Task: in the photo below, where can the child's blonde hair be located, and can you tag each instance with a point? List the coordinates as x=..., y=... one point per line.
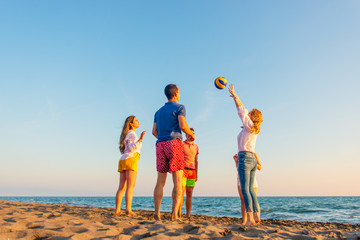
x=256, y=117
x=125, y=130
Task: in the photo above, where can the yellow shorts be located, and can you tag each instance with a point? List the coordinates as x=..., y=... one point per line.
x=129, y=163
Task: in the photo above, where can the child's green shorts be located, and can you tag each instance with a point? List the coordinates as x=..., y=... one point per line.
x=189, y=177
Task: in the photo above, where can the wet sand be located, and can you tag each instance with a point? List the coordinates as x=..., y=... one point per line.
x=54, y=221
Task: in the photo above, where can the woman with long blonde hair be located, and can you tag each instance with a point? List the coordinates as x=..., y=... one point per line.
x=247, y=157
x=129, y=146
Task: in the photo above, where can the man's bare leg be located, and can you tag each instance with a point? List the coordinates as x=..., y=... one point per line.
x=177, y=190
x=158, y=194
x=181, y=200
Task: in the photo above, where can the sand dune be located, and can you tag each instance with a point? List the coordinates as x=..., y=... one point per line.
x=53, y=221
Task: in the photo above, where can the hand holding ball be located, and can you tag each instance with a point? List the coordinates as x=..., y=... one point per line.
x=220, y=83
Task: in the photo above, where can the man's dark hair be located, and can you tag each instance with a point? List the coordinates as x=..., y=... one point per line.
x=192, y=129
x=170, y=91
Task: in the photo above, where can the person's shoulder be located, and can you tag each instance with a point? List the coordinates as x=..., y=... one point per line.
x=197, y=147
x=180, y=105
x=175, y=106
x=180, y=108
x=160, y=109
x=131, y=134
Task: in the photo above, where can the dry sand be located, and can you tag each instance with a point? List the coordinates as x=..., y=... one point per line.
x=53, y=221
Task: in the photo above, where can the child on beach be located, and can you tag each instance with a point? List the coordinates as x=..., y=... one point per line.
x=169, y=121
x=247, y=157
x=243, y=211
x=130, y=147
x=191, y=152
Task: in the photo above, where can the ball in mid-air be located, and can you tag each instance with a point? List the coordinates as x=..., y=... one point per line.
x=220, y=83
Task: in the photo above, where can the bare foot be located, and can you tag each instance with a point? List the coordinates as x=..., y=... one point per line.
x=174, y=216
x=249, y=223
x=249, y=219
x=157, y=217
x=118, y=213
x=244, y=220
x=257, y=217
x=130, y=213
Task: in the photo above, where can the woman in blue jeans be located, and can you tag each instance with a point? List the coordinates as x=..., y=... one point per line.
x=247, y=157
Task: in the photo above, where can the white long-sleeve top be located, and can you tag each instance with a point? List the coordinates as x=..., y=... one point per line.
x=246, y=140
x=132, y=145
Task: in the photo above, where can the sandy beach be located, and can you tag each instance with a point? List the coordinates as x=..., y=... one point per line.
x=53, y=221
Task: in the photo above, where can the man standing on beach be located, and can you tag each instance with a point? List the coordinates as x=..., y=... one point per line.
x=169, y=121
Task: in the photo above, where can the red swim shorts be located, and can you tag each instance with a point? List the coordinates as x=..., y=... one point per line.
x=170, y=156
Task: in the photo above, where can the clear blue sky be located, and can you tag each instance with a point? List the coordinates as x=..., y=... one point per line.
x=72, y=71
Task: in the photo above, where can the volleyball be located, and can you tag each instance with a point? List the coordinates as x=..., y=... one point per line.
x=220, y=83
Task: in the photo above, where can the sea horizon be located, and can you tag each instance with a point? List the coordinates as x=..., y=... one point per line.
x=170, y=196
x=340, y=209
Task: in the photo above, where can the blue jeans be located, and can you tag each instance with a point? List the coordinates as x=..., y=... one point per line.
x=246, y=169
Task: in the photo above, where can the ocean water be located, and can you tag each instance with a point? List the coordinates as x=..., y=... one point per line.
x=316, y=209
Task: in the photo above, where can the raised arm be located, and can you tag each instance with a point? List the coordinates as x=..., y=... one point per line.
x=185, y=127
x=237, y=101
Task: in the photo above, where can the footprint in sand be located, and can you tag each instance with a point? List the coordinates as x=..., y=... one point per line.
x=9, y=220
x=78, y=229
x=108, y=222
x=33, y=226
x=103, y=229
x=55, y=228
x=129, y=231
x=191, y=229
